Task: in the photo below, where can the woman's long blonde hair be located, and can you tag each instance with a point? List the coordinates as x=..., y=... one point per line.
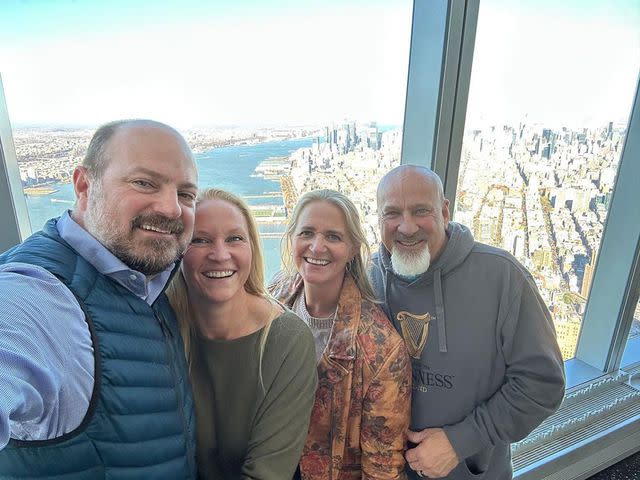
x=356, y=267
x=177, y=289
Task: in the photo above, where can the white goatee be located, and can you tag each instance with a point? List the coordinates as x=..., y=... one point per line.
x=410, y=264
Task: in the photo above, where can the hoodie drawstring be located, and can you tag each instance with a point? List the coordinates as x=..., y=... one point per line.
x=385, y=289
x=437, y=291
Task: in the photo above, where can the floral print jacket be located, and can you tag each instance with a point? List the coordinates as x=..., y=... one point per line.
x=363, y=402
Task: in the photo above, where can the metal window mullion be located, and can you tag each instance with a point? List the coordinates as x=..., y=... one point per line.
x=442, y=44
x=14, y=216
x=428, y=36
x=608, y=312
x=460, y=47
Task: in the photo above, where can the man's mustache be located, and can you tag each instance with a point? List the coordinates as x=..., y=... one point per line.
x=172, y=225
x=399, y=237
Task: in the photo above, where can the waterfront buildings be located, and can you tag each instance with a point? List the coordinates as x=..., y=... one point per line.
x=540, y=193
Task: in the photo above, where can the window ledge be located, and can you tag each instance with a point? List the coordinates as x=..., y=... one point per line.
x=597, y=425
x=578, y=372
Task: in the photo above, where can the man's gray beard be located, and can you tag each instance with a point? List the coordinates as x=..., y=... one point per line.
x=100, y=222
x=410, y=264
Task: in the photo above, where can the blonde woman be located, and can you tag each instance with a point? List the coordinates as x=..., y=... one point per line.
x=362, y=404
x=252, y=364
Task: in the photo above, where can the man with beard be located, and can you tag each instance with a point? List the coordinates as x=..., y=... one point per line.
x=486, y=365
x=93, y=382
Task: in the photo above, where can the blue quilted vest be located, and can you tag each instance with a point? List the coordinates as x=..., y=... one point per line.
x=140, y=423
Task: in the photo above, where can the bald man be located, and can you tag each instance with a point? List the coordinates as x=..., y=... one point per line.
x=486, y=364
x=93, y=381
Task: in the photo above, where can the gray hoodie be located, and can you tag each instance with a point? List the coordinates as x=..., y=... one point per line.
x=491, y=370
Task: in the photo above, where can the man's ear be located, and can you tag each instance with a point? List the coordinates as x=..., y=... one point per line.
x=445, y=212
x=81, y=184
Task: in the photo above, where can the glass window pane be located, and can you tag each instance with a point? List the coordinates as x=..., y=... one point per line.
x=275, y=99
x=631, y=356
x=545, y=126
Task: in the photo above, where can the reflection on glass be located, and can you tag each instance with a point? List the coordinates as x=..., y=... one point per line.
x=541, y=149
x=631, y=356
x=274, y=101
x=635, y=325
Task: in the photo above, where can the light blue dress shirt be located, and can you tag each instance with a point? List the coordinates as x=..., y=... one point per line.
x=46, y=354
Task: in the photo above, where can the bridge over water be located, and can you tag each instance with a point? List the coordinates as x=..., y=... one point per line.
x=271, y=234
x=264, y=195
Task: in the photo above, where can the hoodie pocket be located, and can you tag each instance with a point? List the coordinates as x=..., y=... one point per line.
x=476, y=465
x=466, y=472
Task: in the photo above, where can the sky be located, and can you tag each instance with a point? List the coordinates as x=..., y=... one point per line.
x=206, y=62
x=562, y=62
x=254, y=63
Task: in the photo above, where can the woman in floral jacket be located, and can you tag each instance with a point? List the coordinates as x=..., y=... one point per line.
x=362, y=405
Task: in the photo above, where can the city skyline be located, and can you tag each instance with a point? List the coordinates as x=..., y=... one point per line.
x=539, y=193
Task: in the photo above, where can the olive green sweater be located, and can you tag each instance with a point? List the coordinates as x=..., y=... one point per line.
x=248, y=429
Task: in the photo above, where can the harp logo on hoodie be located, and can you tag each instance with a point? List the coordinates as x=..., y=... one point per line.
x=415, y=331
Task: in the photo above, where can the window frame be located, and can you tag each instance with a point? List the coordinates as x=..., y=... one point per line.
x=443, y=37
x=14, y=215
x=433, y=133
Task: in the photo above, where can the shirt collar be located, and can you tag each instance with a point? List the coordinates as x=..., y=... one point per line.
x=105, y=262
